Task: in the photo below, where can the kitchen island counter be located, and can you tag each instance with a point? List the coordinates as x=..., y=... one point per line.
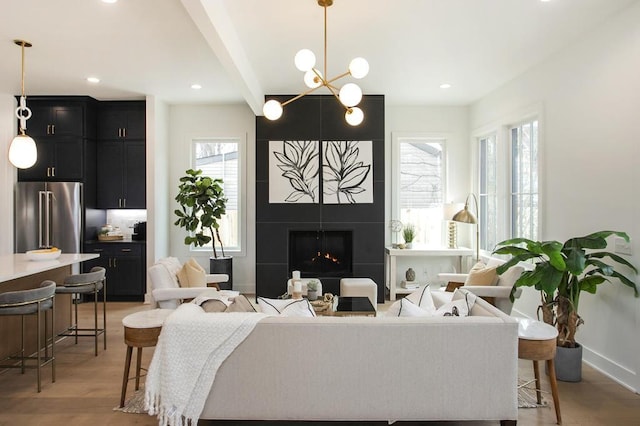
x=13, y=266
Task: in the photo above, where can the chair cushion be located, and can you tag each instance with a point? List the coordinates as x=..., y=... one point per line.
x=482, y=274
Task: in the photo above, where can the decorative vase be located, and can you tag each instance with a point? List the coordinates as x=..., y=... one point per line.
x=407, y=245
x=568, y=363
x=222, y=265
x=312, y=295
x=410, y=275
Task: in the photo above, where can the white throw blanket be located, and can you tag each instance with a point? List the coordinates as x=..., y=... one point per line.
x=191, y=347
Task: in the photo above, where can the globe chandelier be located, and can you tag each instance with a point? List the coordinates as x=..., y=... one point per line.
x=22, y=151
x=349, y=95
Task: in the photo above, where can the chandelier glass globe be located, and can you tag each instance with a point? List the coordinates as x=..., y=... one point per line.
x=350, y=95
x=354, y=116
x=312, y=80
x=359, y=68
x=272, y=109
x=305, y=60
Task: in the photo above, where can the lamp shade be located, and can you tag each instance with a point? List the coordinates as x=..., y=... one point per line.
x=354, y=116
x=272, y=109
x=23, y=152
x=464, y=216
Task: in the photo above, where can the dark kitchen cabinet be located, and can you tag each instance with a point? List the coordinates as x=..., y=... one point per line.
x=122, y=120
x=125, y=265
x=121, y=174
x=121, y=155
x=64, y=129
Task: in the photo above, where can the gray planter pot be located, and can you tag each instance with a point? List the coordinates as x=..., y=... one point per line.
x=312, y=295
x=222, y=265
x=568, y=362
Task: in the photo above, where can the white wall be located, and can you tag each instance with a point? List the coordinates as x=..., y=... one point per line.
x=450, y=123
x=590, y=94
x=187, y=122
x=7, y=172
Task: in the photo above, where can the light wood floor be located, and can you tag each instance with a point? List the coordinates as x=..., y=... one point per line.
x=88, y=388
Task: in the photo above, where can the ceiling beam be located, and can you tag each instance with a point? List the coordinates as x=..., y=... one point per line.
x=213, y=21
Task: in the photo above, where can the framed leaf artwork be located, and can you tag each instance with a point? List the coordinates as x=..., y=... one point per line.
x=294, y=172
x=347, y=172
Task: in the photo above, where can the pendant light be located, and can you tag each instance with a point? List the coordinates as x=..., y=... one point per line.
x=22, y=151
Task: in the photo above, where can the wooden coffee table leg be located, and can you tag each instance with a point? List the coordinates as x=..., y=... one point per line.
x=125, y=377
x=138, y=365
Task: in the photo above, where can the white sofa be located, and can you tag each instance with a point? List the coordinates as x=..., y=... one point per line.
x=372, y=369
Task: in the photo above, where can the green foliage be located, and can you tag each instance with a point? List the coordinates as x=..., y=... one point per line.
x=312, y=285
x=409, y=232
x=562, y=271
x=202, y=204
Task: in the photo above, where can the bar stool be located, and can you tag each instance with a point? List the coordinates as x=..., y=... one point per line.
x=141, y=330
x=88, y=283
x=30, y=302
x=537, y=342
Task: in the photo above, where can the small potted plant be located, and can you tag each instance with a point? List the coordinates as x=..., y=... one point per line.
x=408, y=233
x=312, y=290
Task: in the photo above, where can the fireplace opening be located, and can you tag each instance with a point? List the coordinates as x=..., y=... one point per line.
x=321, y=253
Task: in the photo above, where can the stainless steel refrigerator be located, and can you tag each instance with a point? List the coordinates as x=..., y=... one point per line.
x=48, y=214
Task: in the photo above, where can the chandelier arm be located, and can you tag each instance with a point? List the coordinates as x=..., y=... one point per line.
x=295, y=98
x=338, y=77
x=335, y=94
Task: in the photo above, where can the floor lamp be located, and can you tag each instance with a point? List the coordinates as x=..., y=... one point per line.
x=465, y=216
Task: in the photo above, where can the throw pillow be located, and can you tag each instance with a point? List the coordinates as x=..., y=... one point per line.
x=214, y=305
x=192, y=274
x=410, y=309
x=421, y=298
x=286, y=307
x=482, y=275
x=240, y=304
x=461, y=303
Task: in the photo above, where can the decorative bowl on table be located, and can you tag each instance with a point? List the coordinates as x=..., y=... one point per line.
x=44, y=254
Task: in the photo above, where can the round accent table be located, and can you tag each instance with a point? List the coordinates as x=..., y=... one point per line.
x=141, y=330
x=537, y=342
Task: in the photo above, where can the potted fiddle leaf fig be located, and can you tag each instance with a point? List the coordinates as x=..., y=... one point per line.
x=202, y=205
x=561, y=272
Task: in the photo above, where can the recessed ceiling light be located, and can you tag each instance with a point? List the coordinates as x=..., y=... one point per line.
x=109, y=1
x=445, y=86
x=196, y=86
x=93, y=79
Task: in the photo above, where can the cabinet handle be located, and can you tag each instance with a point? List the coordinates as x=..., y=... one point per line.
x=53, y=172
x=114, y=262
x=124, y=132
x=126, y=250
x=124, y=202
x=53, y=129
x=48, y=171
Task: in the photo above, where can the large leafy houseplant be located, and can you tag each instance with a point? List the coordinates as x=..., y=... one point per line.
x=561, y=272
x=202, y=204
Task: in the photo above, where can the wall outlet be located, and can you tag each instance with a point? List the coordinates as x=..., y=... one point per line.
x=623, y=247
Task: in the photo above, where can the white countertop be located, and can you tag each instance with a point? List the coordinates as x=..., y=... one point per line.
x=14, y=266
x=425, y=250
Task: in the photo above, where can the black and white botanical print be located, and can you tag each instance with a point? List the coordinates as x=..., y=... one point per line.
x=347, y=172
x=293, y=171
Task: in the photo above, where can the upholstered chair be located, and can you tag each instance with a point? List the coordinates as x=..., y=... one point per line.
x=497, y=294
x=168, y=292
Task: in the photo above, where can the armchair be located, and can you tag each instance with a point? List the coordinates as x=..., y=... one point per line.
x=166, y=292
x=497, y=294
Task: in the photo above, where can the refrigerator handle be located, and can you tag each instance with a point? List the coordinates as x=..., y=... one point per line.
x=47, y=223
x=41, y=197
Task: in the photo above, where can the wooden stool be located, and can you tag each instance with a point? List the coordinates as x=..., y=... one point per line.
x=141, y=330
x=537, y=342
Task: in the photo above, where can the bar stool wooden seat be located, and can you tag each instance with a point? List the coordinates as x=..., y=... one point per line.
x=88, y=283
x=33, y=302
x=537, y=342
x=141, y=330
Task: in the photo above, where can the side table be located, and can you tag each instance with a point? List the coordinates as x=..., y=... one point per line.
x=141, y=330
x=537, y=342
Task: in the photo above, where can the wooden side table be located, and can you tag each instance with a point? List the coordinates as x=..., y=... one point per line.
x=141, y=330
x=537, y=342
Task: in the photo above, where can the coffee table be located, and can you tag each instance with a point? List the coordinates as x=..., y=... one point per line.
x=354, y=306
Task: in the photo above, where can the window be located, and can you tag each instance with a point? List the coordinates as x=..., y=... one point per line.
x=524, y=180
x=508, y=184
x=488, y=192
x=418, y=186
x=224, y=159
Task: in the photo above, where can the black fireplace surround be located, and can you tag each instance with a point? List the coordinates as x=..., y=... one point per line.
x=361, y=254
x=321, y=253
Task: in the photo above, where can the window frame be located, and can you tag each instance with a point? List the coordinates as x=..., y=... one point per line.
x=241, y=141
x=404, y=137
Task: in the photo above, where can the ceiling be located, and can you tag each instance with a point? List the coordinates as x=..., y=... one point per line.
x=240, y=50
